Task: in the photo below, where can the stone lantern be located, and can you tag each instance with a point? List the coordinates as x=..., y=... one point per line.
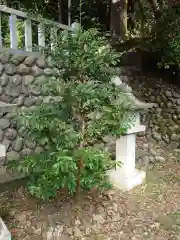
x=127, y=176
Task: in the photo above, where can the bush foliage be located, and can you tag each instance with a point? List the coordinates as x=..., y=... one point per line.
x=83, y=108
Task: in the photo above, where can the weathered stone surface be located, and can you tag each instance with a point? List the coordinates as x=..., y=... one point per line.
x=29, y=101
x=16, y=60
x=57, y=73
x=178, y=101
x=35, y=91
x=24, y=90
x=36, y=71
x=12, y=156
x=175, y=94
x=16, y=79
x=1, y=68
x=11, y=133
x=26, y=152
x=18, y=144
x=49, y=71
x=4, y=57
x=6, y=143
x=29, y=61
x=1, y=114
x=38, y=101
x=2, y=161
x=23, y=69
x=169, y=104
x=168, y=93
x=4, y=123
x=50, y=61
x=22, y=131
x=177, y=110
x=17, y=73
x=1, y=90
x=10, y=115
x=10, y=69
x=30, y=144
x=6, y=99
x=28, y=79
x=1, y=135
x=13, y=91
x=41, y=62
x=4, y=80
x=19, y=101
x=175, y=137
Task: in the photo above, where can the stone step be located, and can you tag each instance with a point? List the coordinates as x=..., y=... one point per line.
x=9, y=181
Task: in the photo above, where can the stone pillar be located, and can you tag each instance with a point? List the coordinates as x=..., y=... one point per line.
x=127, y=176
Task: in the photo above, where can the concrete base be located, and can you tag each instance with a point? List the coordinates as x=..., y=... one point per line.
x=4, y=232
x=126, y=182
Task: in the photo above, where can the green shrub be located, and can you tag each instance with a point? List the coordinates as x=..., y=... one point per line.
x=82, y=110
x=165, y=42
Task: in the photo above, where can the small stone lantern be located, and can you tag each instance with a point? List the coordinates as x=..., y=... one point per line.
x=127, y=176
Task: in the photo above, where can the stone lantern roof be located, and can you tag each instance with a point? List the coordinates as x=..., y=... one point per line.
x=133, y=102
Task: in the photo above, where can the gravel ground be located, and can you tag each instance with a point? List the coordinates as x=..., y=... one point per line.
x=150, y=211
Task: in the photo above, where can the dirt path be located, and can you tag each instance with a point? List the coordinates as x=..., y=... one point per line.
x=151, y=211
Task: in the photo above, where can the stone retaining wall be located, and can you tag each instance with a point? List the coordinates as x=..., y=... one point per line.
x=17, y=73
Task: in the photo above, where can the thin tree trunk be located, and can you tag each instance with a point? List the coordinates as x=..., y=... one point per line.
x=156, y=9
x=131, y=6
x=80, y=164
x=123, y=19
x=142, y=21
x=169, y=3
x=60, y=11
x=118, y=19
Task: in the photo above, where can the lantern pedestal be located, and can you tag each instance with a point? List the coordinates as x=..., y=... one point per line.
x=127, y=176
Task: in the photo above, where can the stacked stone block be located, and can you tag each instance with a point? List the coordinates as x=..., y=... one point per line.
x=17, y=75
